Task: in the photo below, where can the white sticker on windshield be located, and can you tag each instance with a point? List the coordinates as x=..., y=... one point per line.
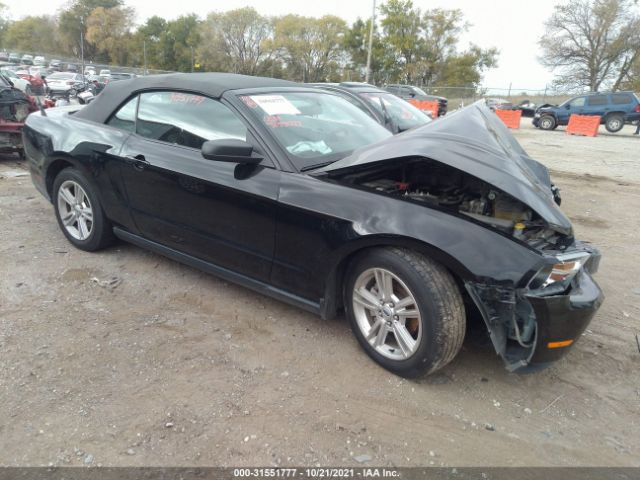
x=275, y=105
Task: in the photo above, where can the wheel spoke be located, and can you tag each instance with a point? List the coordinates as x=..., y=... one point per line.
x=384, y=283
x=405, y=302
x=68, y=218
x=381, y=335
x=365, y=298
x=87, y=213
x=403, y=315
x=405, y=341
x=375, y=329
x=83, y=228
x=67, y=196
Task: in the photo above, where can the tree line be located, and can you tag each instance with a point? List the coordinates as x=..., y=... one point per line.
x=410, y=45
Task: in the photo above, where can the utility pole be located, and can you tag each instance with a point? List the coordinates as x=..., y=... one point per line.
x=144, y=56
x=373, y=19
x=192, y=60
x=84, y=80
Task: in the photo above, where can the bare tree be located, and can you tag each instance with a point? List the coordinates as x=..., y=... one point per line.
x=239, y=36
x=592, y=43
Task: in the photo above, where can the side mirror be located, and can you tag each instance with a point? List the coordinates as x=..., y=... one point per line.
x=567, y=106
x=230, y=150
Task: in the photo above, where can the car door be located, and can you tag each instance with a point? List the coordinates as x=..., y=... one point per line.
x=596, y=105
x=575, y=106
x=220, y=212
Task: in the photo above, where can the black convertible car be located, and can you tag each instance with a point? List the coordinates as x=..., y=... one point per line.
x=298, y=194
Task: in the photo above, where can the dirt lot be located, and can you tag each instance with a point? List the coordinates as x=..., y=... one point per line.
x=127, y=358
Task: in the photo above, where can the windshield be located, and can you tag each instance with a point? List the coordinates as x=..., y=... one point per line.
x=315, y=128
x=419, y=91
x=401, y=113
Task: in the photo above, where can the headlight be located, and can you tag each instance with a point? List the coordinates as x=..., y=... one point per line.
x=561, y=273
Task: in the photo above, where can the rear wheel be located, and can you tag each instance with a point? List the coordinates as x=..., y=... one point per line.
x=405, y=310
x=79, y=212
x=547, y=122
x=614, y=123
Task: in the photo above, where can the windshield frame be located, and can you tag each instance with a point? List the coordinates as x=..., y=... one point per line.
x=281, y=154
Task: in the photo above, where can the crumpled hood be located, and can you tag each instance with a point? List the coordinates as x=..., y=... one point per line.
x=475, y=141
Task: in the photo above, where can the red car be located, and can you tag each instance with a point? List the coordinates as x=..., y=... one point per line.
x=15, y=106
x=38, y=84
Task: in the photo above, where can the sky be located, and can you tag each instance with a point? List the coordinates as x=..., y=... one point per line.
x=513, y=26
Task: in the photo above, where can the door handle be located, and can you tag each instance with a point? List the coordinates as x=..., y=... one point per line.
x=138, y=161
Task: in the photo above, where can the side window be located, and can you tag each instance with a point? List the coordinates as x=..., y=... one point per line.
x=577, y=102
x=186, y=119
x=125, y=117
x=597, y=100
x=405, y=92
x=621, y=98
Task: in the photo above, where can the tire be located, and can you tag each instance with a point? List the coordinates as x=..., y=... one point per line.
x=425, y=303
x=614, y=123
x=73, y=92
x=547, y=122
x=86, y=232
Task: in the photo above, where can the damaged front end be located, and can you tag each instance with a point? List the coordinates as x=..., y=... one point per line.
x=469, y=166
x=535, y=325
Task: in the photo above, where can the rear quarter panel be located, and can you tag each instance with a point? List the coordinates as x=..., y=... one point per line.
x=57, y=140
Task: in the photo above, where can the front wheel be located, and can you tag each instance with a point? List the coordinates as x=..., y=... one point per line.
x=405, y=310
x=547, y=122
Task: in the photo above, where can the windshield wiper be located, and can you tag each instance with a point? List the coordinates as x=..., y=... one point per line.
x=317, y=165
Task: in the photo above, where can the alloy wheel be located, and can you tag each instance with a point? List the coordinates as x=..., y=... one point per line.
x=387, y=314
x=75, y=210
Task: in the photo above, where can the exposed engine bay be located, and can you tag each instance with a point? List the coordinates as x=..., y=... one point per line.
x=444, y=187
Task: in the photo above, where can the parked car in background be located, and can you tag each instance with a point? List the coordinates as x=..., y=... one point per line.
x=66, y=82
x=498, y=103
x=409, y=92
x=121, y=76
x=614, y=109
x=395, y=114
x=15, y=106
x=105, y=73
x=18, y=82
x=37, y=82
x=55, y=65
x=72, y=67
x=39, y=60
x=317, y=204
x=27, y=60
x=14, y=58
x=528, y=108
x=4, y=56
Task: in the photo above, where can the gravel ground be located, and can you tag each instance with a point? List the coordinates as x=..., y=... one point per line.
x=126, y=358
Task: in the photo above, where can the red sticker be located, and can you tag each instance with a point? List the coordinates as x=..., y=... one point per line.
x=177, y=97
x=274, y=121
x=248, y=101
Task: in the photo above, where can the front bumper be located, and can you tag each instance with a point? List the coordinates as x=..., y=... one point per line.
x=530, y=329
x=563, y=318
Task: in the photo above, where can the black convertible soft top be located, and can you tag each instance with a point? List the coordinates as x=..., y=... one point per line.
x=209, y=84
